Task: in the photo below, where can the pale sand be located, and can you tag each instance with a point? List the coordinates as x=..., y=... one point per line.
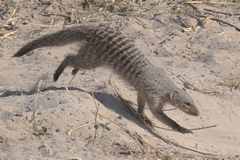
x=208, y=58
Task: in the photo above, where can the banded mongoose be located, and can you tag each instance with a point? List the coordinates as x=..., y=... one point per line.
x=104, y=47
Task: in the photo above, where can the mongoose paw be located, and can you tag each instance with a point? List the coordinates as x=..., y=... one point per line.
x=183, y=130
x=145, y=120
x=74, y=71
x=55, y=76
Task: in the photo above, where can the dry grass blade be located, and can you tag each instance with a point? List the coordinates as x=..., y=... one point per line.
x=152, y=7
x=102, y=116
x=7, y=35
x=24, y=114
x=210, y=10
x=192, y=87
x=38, y=91
x=219, y=20
x=72, y=79
x=137, y=137
x=14, y=11
x=187, y=84
x=208, y=2
x=69, y=132
x=96, y=125
x=140, y=139
x=204, y=127
x=193, y=150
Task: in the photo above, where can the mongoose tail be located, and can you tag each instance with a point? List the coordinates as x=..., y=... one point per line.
x=75, y=34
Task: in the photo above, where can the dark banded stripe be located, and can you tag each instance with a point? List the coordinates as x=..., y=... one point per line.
x=120, y=52
x=110, y=51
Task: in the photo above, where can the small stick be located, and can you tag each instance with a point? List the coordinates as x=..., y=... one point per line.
x=96, y=125
x=72, y=79
x=192, y=87
x=94, y=112
x=193, y=150
x=192, y=16
x=201, y=2
x=14, y=11
x=219, y=20
x=69, y=132
x=24, y=114
x=210, y=10
x=187, y=83
x=216, y=35
x=207, y=18
x=148, y=9
x=61, y=15
x=70, y=82
x=38, y=91
x=142, y=140
x=139, y=138
x=204, y=127
x=7, y=34
x=67, y=89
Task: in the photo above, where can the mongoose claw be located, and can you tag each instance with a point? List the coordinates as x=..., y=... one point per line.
x=183, y=130
x=145, y=120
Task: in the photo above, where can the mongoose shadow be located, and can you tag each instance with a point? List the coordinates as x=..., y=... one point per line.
x=104, y=47
x=108, y=100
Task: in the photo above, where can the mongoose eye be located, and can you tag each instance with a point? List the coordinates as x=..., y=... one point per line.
x=187, y=103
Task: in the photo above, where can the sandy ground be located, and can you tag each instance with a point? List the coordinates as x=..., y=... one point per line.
x=202, y=51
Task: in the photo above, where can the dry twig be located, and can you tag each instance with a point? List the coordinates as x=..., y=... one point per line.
x=192, y=87
x=204, y=127
x=208, y=2
x=219, y=20
x=210, y=10
x=69, y=132
x=14, y=11
x=137, y=137
x=7, y=35
x=96, y=125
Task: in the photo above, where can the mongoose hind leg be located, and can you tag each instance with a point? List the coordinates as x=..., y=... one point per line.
x=141, y=102
x=168, y=121
x=83, y=60
x=65, y=63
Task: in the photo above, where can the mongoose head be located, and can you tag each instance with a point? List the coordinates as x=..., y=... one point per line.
x=181, y=100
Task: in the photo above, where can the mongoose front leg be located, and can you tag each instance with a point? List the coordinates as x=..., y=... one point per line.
x=168, y=121
x=141, y=102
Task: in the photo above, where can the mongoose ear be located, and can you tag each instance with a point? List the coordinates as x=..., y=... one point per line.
x=174, y=96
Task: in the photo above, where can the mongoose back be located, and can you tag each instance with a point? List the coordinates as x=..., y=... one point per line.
x=103, y=47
